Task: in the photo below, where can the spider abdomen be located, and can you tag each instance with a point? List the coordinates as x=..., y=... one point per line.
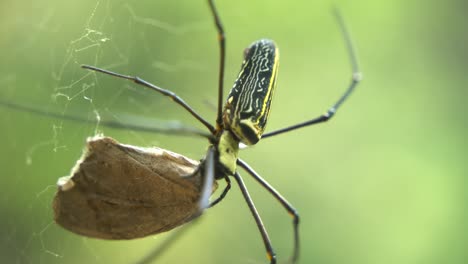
x=248, y=104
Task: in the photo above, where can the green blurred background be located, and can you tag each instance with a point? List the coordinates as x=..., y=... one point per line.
x=384, y=182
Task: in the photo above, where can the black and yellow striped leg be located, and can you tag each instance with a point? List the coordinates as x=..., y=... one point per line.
x=222, y=58
x=223, y=194
x=208, y=180
x=165, y=92
x=266, y=239
x=291, y=210
x=323, y=118
x=355, y=79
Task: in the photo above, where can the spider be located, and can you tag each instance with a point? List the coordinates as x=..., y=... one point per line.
x=241, y=119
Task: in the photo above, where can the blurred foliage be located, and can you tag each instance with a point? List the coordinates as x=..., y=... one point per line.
x=384, y=182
